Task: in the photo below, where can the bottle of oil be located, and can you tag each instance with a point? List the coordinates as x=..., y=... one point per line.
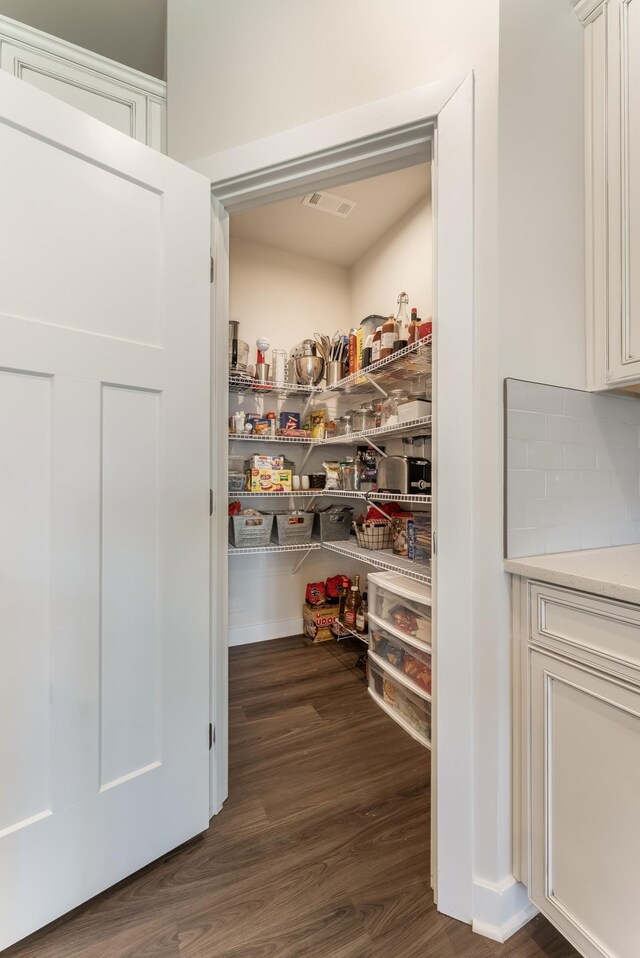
x=362, y=623
x=352, y=604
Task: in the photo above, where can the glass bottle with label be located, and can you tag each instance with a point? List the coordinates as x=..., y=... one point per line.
x=402, y=323
x=414, y=326
x=362, y=617
x=353, y=603
x=388, y=338
x=375, y=345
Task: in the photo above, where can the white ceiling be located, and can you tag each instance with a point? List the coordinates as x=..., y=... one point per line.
x=381, y=202
x=132, y=32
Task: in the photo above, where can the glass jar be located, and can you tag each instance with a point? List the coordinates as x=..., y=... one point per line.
x=350, y=475
x=363, y=418
x=344, y=426
x=279, y=365
x=390, y=406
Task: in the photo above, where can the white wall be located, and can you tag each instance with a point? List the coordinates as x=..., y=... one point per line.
x=271, y=289
x=400, y=260
x=262, y=68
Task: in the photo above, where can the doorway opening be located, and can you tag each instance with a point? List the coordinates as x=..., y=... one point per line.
x=434, y=123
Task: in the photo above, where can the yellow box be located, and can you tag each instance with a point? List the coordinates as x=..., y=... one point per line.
x=268, y=480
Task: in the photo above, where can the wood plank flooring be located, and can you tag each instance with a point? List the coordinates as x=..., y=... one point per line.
x=322, y=850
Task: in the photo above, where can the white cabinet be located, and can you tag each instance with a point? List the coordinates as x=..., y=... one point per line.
x=577, y=764
x=612, y=126
x=125, y=99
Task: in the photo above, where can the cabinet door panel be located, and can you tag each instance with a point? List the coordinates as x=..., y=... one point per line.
x=585, y=779
x=623, y=214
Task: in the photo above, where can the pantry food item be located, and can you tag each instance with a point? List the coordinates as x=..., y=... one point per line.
x=334, y=474
x=268, y=480
x=260, y=425
x=375, y=344
x=362, y=617
x=404, y=619
x=402, y=323
x=414, y=326
x=316, y=593
x=419, y=672
x=352, y=604
x=318, y=620
x=400, y=530
x=389, y=334
x=266, y=462
x=289, y=421
x=317, y=420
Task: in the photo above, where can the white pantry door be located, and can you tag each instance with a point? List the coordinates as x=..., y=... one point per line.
x=104, y=528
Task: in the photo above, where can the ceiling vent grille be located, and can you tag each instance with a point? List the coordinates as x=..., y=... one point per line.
x=329, y=203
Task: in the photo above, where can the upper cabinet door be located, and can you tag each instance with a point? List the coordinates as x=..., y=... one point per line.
x=119, y=96
x=612, y=90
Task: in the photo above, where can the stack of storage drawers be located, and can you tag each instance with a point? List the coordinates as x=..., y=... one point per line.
x=400, y=651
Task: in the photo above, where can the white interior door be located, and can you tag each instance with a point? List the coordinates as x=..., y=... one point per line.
x=104, y=438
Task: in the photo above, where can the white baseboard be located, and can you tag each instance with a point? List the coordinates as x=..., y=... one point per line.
x=265, y=631
x=500, y=909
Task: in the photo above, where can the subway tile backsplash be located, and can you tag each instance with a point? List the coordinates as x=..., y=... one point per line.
x=573, y=469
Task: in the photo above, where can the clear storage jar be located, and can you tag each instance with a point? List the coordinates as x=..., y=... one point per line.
x=390, y=406
x=344, y=425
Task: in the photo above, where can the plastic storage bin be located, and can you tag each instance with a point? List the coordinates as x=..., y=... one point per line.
x=333, y=525
x=408, y=709
x=292, y=528
x=410, y=664
x=250, y=531
x=402, y=606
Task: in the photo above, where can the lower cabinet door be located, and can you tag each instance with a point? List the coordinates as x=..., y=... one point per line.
x=585, y=805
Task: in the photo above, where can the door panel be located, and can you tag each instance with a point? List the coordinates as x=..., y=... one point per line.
x=104, y=527
x=585, y=777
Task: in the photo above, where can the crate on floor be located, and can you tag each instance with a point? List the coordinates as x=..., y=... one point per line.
x=318, y=620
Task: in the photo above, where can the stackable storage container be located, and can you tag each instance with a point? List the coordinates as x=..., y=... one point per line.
x=409, y=664
x=404, y=706
x=292, y=528
x=250, y=531
x=401, y=605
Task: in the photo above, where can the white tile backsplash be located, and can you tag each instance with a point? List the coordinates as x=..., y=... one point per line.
x=573, y=469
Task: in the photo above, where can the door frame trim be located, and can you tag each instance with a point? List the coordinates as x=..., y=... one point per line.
x=356, y=144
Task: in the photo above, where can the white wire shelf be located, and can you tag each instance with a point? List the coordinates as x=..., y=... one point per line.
x=382, y=559
x=407, y=364
x=402, y=722
x=335, y=494
x=346, y=632
x=261, y=437
x=259, y=550
x=408, y=427
x=248, y=385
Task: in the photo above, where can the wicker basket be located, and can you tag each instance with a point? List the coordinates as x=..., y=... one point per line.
x=373, y=535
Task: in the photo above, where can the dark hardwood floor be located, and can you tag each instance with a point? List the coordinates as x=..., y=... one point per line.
x=321, y=851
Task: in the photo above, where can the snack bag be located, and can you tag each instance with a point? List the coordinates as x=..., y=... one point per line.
x=315, y=594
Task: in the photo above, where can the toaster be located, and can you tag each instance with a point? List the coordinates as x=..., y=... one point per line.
x=405, y=475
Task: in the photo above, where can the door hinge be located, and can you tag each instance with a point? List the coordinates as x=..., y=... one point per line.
x=212, y=736
x=210, y=502
x=212, y=270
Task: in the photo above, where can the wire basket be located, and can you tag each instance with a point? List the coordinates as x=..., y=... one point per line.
x=373, y=535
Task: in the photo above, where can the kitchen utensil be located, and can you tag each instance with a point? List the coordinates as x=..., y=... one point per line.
x=335, y=372
x=309, y=369
x=262, y=372
x=262, y=346
x=279, y=363
x=238, y=350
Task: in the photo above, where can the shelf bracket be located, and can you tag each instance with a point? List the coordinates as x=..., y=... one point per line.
x=305, y=458
x=373, y=446
x=377, y=507
x=373, y=383
x=298, y=564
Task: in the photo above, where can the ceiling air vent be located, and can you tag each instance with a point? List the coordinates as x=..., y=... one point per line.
x=329, y=203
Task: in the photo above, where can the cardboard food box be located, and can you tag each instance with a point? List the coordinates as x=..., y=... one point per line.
x=318, y=620
x=268, y=480
x=266, y=462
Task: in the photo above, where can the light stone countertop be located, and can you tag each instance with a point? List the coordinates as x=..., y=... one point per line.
x=612, y=572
